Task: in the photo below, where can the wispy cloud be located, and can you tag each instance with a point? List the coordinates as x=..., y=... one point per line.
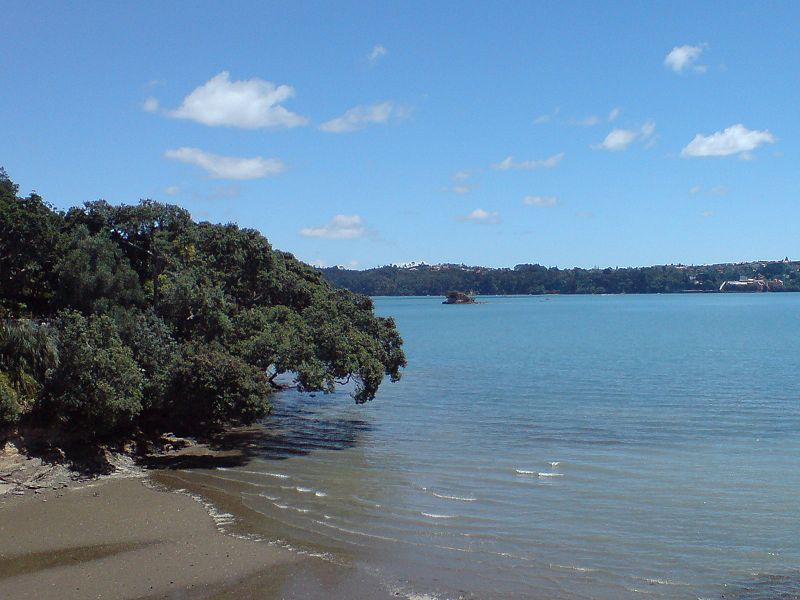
x=707, y=213
x=736, y=139
x=543, y=201
x=248, y=104
x=461, y=183
x=528, y=165
x=615, y=112
x=717, y=190
x=480, y=215
x=620, y=139
x=228, y=167
x=172, y=190
x=546, y=118
x=589, y=121
x=359, y=117
x=377, y=52
x=681, y=58
x=150, y=104
x=340, y=227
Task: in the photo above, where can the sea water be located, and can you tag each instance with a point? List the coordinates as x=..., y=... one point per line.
x=605, y=447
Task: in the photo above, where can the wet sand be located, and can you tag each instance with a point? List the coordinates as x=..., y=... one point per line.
x=120, y=538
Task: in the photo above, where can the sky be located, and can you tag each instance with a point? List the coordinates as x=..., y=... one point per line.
x=363, y=134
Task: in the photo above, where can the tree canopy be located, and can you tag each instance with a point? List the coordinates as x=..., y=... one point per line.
x=142, y=317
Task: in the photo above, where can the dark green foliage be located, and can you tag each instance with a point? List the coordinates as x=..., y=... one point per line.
x=169, y=322
x=536, y=279
x=98, y=386
x=93, y=275
x=28, y=353
x=154, y=349
x=29, y=238
x=210, y=386
x=10, y=409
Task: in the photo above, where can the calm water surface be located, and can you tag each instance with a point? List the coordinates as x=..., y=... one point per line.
x=605, y=447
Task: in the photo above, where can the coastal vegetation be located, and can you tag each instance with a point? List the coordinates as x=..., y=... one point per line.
x=122, y=318
x=437, y=280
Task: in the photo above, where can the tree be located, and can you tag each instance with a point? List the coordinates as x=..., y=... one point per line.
x=97, y=388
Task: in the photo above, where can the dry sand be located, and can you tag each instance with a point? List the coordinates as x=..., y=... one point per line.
x=119, y=538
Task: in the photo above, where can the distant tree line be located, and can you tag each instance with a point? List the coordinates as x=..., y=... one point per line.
x=535, y=279
x=117, y=318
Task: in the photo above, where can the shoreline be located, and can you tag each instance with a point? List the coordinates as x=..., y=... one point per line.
x=135, y=537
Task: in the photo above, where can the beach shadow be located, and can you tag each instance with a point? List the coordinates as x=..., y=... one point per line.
x=297, y=426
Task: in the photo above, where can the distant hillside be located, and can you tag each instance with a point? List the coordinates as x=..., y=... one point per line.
x=437, y=280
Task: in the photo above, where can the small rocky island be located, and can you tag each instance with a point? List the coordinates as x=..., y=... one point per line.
x=459, y=298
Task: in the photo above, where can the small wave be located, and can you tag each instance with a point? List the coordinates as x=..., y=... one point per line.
x=302, y=510
x=303, y=490
x=320, y=494
x=265, y=473
x=281, y=506
x=272, y=498
x=447, y=497
x=525, y=472
x=555, y=463
x=543, y=475
x=436, y=516
x=573, y=568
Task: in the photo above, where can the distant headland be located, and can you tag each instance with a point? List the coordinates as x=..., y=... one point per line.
x=420, y=279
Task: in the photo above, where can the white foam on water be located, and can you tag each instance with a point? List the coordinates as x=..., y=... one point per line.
x=320, y=494
x=265, y=473
x=303, y=490
x=448, y=497
x=573, y=568
x=544, y=475
x=554, y=463
x=437, y=516
x=281, y=506
x=525, y=472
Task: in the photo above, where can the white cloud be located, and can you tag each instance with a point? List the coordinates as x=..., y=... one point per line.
x=172, y=190
x=481, y=216
x=461, y=175
x=150, y=104
x=707, y=213
x=736, y=139
x=545, y=201
x=249, y=104
x=228, y=167
x=359, y=117
x=528, y=165
x=620, y=139
x=696, y=189
x=682, y=57
x=377, y=52
x=340, y=227
x=612, y=116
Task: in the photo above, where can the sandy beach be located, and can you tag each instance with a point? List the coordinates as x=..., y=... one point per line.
x=121, y=538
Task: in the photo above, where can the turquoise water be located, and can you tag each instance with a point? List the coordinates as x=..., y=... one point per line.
x=603, y=447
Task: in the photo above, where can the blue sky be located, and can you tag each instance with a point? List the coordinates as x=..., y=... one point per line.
x=563, y=133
